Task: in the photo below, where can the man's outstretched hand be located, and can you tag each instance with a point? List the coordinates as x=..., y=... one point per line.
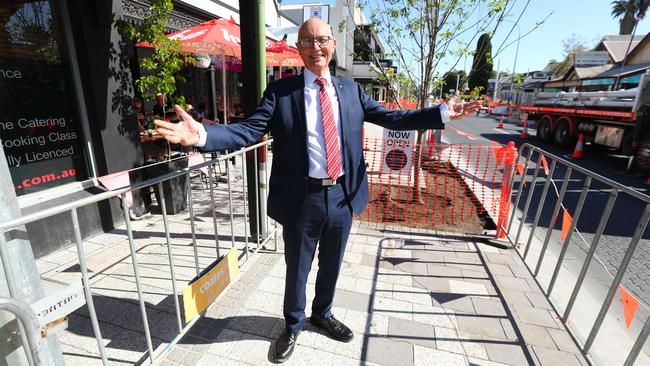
x=468, y=108
x=185, y=132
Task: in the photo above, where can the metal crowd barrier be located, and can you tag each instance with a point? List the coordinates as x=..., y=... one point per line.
x=583, y=333
x=26, y=316
x=30, y=327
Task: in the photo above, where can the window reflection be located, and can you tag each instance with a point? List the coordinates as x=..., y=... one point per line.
x=38, y=120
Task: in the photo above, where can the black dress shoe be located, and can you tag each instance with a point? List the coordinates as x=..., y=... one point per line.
x=335, y=328
x=284, y=346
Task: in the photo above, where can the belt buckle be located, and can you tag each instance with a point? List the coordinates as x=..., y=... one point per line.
x=328, y=182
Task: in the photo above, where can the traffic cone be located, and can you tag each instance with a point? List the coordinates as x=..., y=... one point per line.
x=524, y=133
x=577, y=153
x=500, y=122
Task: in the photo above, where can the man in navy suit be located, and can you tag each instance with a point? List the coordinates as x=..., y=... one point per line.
x=318, y=177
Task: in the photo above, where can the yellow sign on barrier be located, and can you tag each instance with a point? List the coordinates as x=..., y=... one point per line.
x=207, y=288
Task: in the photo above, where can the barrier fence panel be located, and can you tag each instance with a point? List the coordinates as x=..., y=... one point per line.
x=457, y=188
x=584, y=256
x=147, y=286
x=30, y=326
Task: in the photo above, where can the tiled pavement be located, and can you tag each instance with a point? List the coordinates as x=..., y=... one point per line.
x=412, y=298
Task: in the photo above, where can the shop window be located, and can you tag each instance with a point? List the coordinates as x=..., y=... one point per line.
x=39, y=124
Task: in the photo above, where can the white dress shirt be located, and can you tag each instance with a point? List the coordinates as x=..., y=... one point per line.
x=315, y=136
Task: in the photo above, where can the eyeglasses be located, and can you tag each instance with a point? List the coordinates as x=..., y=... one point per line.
x=320, y=41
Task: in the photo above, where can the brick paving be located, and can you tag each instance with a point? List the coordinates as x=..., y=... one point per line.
x=412, y=297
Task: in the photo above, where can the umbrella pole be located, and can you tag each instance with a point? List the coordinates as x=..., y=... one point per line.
x=229, y=162
x=223, y=85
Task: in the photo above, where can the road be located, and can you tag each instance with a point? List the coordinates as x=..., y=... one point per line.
x=626, y=212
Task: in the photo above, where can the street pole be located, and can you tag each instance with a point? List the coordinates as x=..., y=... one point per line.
x=213, y=91
x=496, y=83
x=514, y=67
x=254, y=81
x=457, y=80
x=19, y=279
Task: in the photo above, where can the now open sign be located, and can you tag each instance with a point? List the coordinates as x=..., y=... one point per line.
x=397, y=154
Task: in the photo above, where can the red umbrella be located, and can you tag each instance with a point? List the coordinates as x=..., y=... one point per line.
x=222, y=37
x=219, y=36
x=215, y=37
x=281, y=54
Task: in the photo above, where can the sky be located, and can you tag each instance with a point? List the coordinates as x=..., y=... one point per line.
x=588, y=20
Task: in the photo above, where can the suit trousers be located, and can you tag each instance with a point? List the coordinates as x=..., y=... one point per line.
x=325, y=219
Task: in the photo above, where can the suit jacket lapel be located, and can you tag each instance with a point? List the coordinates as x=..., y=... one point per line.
x=299, y=118
x=344, y=107
x=298, y=97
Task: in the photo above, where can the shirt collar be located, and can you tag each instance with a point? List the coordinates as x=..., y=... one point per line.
x=310, y=77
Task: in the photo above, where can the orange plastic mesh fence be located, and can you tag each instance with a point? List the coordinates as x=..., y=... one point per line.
x=456, y=188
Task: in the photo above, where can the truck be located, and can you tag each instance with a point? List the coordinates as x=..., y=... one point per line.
x=617, y=119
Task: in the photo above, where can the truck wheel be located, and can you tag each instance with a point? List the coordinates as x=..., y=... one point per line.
x=562, y=135
x=626, y=144
x=642, y=157
x=544, y=129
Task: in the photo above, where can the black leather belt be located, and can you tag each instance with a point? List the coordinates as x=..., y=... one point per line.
x=325, y=182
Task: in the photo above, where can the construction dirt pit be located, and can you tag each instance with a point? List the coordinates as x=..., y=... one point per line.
x=445, y=203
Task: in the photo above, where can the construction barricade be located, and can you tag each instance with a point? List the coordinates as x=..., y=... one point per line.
x=140, y=288
x=458, y=188
x=583, y=238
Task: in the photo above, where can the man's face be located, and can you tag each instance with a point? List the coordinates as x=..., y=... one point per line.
x=316, y=56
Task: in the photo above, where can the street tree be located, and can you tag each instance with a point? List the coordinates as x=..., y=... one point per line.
x=570, y=48
x=482, y=66
x=420, y=34
x=629, y=12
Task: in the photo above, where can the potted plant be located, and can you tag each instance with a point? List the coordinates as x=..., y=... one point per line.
x=161, y=73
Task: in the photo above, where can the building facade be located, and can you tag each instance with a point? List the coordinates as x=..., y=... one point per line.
x=66, y=102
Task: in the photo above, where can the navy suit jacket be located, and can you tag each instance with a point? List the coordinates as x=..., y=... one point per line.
x=282, y=112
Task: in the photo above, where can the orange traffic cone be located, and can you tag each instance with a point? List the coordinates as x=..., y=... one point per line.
x=578, y=153
x=500, y=122
x=524, y=133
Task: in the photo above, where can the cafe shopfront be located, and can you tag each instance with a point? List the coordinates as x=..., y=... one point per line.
x=66, y=115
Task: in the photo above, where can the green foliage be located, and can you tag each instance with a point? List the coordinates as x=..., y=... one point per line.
x=162, y=67
x=482, y=64
x=519, y=78
x=341, y=26
x=478, y=90
x=570, y=48
x=627, y=10
x=450, y=78
x=418, y=34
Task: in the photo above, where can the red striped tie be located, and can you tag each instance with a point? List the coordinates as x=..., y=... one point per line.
x=332, y=148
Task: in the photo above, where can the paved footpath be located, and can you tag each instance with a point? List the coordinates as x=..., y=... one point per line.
x=412, y=297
